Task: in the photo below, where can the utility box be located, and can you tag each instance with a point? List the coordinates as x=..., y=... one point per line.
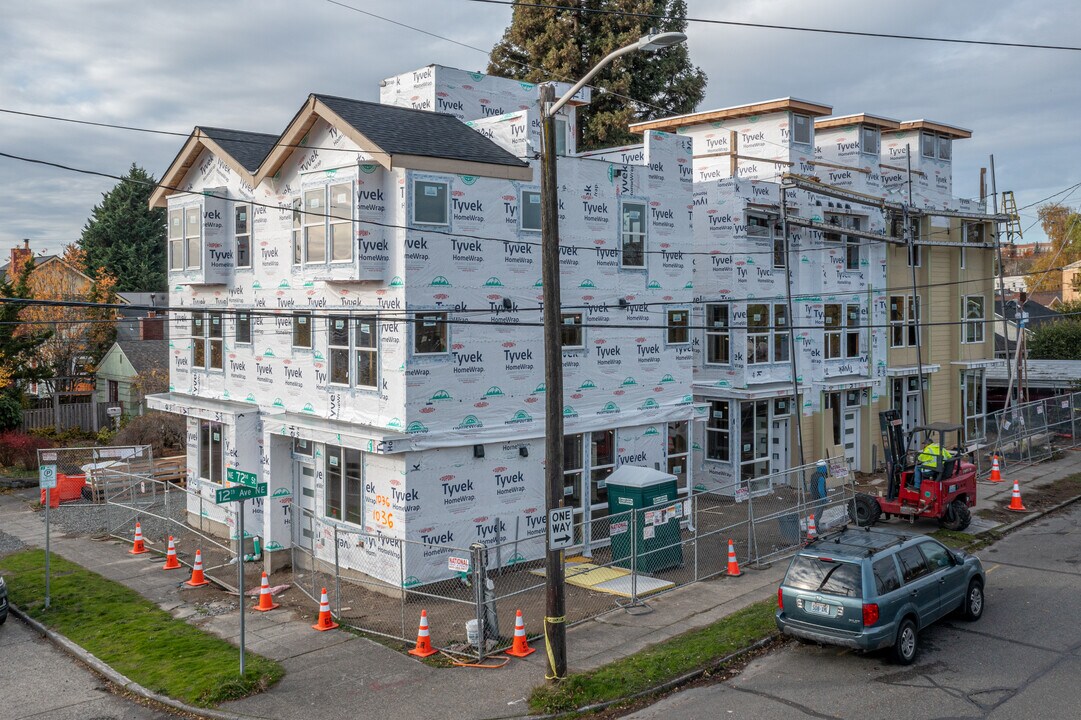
x=651, y=494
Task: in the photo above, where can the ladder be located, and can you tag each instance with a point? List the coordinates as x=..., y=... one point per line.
x=1009, y=208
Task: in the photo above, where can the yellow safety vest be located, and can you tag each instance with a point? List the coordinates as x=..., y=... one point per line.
x=930, y=455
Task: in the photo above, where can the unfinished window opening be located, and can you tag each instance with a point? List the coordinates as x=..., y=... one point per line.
x=718, y=334
x=633, y=236
x=430, y=203
x=302, y=330
x=430, y=333
x=344, y=482
x=242, y=233
x=571, y=331
x=679, y=332
x=719, y=432
x=242, y=334
x=531, y=210
x=211, y=451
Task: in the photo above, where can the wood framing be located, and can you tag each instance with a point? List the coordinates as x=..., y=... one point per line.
x=739, y=111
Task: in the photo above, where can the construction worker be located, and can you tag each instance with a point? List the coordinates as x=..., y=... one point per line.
x=929, y=461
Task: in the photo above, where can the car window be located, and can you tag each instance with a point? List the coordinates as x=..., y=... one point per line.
x=937, y=557
x=886, y=579
x=825, y=576
x=912, y=563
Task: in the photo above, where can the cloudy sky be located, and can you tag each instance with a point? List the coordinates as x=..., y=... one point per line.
x=249, y=64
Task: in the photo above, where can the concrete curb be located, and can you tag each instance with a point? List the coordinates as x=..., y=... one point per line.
x=1034, y=516
x=117, y=678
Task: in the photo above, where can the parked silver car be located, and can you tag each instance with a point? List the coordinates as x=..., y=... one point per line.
x=869, y=589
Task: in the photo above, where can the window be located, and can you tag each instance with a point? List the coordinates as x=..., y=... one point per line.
x=842, y=324
x=753, y=440
x=780, y=252
x=761, y=227
x=825, y=576
x=343, y=470
x=945, y=151
x=206, y=340
x=602, y=463
x=633, y=236
x=242, y=333
x=913, y=564
x=679, y=332
x=571, y=331
x=850, y=243
x=885, y=571
x=852, y=333
x=718, y=432
x=302, y=447
x=242, y=231
x=185, y=238
x=298, y=231
x=904, y=320
x=972, y=232
x=914, y=250
x=833, y=330
x=927, y=144
x=972, y=314
x=974, y=402
x=937, y=556
x=572, y=469
x=757, y=226
x=718, y=340
x=302, y=330
x=315, y=230
x=340, y=222
x=430, y=333
x=561, y=136
x=531, y=210
x=758, y=333
x=869, y=140
x=430, y=200
x=211, y=453
x=677, y=452
x=801, y=129
x=349, y=339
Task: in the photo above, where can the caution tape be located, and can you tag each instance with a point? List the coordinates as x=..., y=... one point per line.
x=548, y=645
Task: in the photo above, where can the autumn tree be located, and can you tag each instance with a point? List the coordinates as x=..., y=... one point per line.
x=1063, y=228
x=544, y=43
x=126, y=237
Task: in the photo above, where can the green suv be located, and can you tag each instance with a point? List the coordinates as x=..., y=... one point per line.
x=869, y=589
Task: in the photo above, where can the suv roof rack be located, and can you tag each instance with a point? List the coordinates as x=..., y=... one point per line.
x=839, y=537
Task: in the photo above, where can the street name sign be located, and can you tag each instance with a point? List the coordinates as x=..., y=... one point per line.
x=239, y=493
x=240, y=477
x=560, y=528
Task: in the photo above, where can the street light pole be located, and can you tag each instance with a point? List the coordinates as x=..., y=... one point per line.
x=555, y=627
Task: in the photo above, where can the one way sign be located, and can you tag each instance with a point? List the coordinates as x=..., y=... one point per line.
x=560, y=528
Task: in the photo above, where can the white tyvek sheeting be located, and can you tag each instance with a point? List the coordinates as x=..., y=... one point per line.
x=841, y=146
x=765, y=139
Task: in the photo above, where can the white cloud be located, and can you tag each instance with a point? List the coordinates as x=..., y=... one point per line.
x=249, y=65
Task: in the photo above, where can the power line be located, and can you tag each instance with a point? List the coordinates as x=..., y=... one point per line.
x=769, y=26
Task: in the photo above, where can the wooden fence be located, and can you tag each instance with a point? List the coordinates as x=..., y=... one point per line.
x=87, y=416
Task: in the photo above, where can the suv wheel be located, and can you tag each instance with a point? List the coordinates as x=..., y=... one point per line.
x=973, y=606
x=904, y=647
x=957, y=517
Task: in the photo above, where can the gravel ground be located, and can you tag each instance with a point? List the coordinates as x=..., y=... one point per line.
x=86, y=519
x=9, y=544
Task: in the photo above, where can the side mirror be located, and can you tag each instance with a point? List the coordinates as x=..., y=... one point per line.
x=959, y=556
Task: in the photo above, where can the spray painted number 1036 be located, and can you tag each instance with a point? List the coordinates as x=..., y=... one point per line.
x=383, y=517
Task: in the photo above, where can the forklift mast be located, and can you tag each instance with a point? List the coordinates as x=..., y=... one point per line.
x=894, y=449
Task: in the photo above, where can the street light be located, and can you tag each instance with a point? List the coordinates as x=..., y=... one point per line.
x=555, y=635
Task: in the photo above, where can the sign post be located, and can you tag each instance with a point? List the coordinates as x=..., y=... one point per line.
x=47, y=480
x=248, y=488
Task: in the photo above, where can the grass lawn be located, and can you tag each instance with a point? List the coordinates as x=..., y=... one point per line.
x=657, y=664
x=132, y=634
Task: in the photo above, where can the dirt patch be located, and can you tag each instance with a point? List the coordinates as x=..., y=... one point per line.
x=1037, y=499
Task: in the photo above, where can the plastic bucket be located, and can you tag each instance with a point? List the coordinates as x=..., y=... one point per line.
x=472, y=632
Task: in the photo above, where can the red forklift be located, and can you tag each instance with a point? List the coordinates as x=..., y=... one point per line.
x=922, y=482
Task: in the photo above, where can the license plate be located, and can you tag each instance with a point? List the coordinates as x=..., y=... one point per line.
x=820, y=608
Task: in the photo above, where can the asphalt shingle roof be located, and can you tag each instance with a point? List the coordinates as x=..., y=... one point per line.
x=405, y=131
x=146, y=355
x=247, y=148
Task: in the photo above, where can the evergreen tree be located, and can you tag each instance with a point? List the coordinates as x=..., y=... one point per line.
x=126, y=237
x=548, y=44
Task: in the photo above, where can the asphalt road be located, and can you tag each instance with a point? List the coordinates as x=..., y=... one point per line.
x=39, y=681
x=1021, y=660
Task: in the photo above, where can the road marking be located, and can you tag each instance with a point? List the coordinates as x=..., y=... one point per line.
x=992, y=569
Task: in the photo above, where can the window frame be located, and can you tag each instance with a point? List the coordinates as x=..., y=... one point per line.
x=242, y=319
x=175, y=234
x=972, y=328
x=343, y=491
x=759, y=336
x=207, y=453
x=239, y=208
x=574, y=461
x=417, y=183
x=928, y=142
x=759, y=423
x=677, y=328
x=874, y=147
x=206, y=342
x=333, y=345
x=718, y=436
x=440, y=318
x=624, y=232
x=297, y=316
x=800, y=123
x=575, y=326
x=522, y=204
x=974, y=403
x=722, y=332
x=189, y=237
x=598, y=473
x=672, y=454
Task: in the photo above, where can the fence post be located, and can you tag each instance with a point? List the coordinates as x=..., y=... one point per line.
x=634, y=556
x=692, y=505
x=337, y=576
x=478, y=552
x=401, y=583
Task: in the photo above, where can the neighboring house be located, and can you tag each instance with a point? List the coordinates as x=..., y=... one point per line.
x=1071, y=282
x=130, y=325
x=1043, y=379
x=364, y=292
x=127, y=361
x=1029, y=313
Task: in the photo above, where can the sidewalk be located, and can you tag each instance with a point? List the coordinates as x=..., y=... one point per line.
x=333, y=675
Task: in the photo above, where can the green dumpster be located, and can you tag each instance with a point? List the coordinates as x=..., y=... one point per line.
x=651, y=494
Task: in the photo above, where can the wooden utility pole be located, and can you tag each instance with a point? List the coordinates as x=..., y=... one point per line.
x=555, y=627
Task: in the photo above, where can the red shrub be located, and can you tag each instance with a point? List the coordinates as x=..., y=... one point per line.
x=19, y=448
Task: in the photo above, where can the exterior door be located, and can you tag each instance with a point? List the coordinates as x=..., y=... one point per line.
x=304, y=491
x=779, y=438
x=850, y=428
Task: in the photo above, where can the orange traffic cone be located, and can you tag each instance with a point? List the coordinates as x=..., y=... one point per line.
x=424, y=640
x=197, y=579
x=996, y=476
x=171, y=563
x=137, y=547
x=733, y=566
x=325, y=621
x=521, y=645
x=1015, y=500
x=266, y=600
x=812, y=529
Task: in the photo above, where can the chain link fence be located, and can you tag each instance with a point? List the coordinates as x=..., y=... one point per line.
x=1032, y=432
